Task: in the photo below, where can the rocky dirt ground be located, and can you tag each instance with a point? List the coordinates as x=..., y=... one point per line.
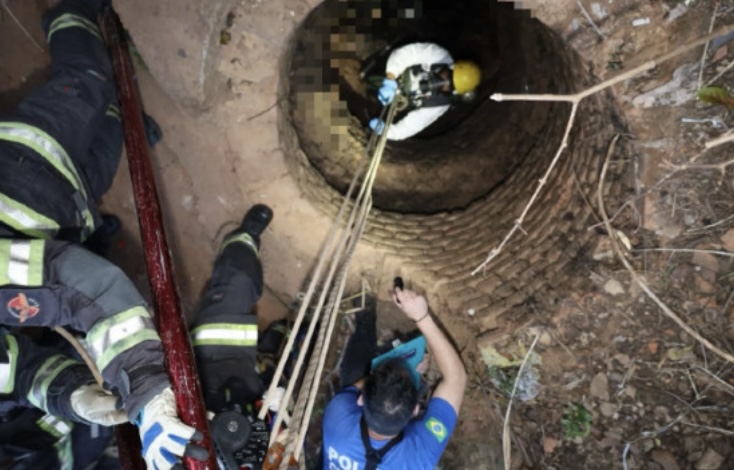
x=618, y=384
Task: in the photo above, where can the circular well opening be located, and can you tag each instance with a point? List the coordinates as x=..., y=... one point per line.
x=447, y=196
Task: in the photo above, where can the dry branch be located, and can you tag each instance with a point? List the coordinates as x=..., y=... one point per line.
x=590, y=19
x=575, y=99
x=541, y=183
x=506, y=450
x=728, y=137
x=720, y=74
x=706, y=47
x=636, y=277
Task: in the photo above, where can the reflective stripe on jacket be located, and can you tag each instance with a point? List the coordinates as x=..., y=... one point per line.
x=51, y=283
x=22, y=218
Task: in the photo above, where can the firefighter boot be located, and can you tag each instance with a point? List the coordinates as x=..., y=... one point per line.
x=256, y=220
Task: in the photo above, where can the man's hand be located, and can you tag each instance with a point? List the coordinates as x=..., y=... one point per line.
x=387, y=91
x=452, y=386
x=413, y=305
x=96, y=405
x=165, y=438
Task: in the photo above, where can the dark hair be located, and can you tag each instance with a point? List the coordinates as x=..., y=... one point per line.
x=389, y=397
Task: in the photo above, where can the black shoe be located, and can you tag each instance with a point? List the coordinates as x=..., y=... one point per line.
x=256, y=220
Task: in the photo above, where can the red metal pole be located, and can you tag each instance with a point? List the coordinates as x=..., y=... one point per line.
x=168, y=315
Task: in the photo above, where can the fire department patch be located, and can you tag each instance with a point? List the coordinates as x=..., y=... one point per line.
x=23, y=307
x=437, y=429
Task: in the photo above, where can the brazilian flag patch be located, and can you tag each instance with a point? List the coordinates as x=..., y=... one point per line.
x=437, y=429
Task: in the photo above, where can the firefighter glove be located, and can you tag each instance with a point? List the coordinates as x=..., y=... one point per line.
x=377, y=125
x=387, y=91
x=96, y=405
x=164, y=437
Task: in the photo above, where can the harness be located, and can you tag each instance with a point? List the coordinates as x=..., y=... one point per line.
x=424, y=87
x=374, y=456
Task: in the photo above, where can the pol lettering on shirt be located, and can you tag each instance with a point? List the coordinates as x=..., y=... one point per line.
x=341, y=462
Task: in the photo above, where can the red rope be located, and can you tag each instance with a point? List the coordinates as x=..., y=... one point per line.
x=166, y=304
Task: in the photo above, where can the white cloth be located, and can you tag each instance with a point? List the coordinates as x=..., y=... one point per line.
x=96, y=405
x=419, y=53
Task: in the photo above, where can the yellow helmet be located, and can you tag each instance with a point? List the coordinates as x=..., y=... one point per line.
x=467, y=76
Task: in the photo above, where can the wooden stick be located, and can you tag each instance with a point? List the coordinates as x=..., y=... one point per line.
x=706, y=47
x=506, y=450
x=636, y=277
x=518, y=223
x=574, y=98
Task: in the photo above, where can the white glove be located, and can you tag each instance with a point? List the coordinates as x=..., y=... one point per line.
x=96, y=405
x=165, y=438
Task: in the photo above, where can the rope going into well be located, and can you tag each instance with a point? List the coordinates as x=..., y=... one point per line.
x=340, y=252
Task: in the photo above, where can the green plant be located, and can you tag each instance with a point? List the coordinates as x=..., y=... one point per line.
x=576, y=421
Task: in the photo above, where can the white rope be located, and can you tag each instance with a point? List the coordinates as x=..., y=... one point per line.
x=341, y=258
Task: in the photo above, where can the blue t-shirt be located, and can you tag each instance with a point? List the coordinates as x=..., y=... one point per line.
x=424, y=440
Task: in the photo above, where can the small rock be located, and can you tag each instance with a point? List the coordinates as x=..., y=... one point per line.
x=665, y=459
x=704, y=286
x=614, y=287
x=661, y=414
x=623, y=359
x=600, y=387
x=608, y=409
x=676, y=13
x=544, y=338
x=694, y=456
x=705, y=260
x=692, y=443
x=603, y=250
x=615, y=377
x=728, y=240
x=609, y=442
x=630, y=391
x=711, y=460
x=647, y=445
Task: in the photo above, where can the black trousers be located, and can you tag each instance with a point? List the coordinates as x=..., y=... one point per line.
x=229, y=373
x=77, y=107
x=360, y=350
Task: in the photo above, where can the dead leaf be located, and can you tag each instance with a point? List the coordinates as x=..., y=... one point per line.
x=719, y=54
x=652, y=346
x=728, y=240
x=665, y=459
x=716, y=95
x=550, y=444
x=678, y=354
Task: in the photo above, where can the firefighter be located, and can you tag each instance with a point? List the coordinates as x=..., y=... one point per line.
x=224, y=332
x=427, y=76
x=59, y=152
x=225, y=339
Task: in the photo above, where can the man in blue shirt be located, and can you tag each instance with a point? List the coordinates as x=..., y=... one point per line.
x=370, y=424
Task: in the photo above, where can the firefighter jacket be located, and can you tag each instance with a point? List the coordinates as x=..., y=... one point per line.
x=45, y=195
x=52, y=283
